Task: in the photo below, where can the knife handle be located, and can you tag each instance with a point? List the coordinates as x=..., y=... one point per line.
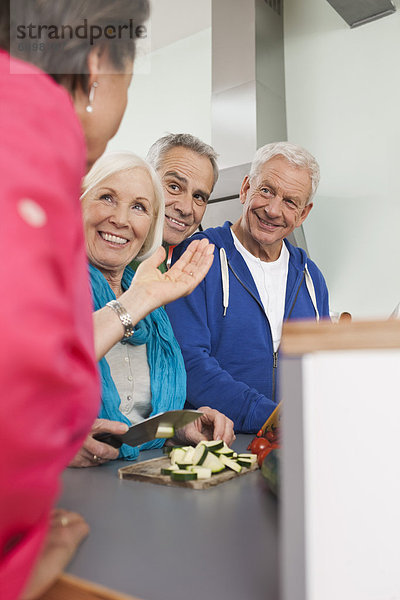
x=108, y=438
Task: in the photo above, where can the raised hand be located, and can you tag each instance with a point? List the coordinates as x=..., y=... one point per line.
x=150, y=289
x=180, y=280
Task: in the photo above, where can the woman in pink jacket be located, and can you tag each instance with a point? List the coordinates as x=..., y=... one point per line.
x=50, y=134
x=52, y=128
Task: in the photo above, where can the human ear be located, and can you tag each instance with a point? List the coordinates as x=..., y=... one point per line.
x=244, y=189
x=305, y=212
x=95, y=63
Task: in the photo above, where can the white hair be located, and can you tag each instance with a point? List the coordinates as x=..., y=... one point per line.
x=295, y=155
x=114, y=162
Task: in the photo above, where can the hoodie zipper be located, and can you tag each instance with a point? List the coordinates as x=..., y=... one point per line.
x=274, y=354
x=274, y=367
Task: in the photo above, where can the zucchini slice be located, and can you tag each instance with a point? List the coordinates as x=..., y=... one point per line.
x=165, y=431
x=181, y=465
x=213, y=445
x=168, y=470
x=188, y=460
x=183, y=475
x=244, y=462
x=202, y=472
x=225, y=451
x=214, y=463
x=231, y=464
x=199, y=454
x=252, y=457
x=177, y=455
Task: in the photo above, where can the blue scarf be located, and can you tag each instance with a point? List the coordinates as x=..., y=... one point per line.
x=167, y=369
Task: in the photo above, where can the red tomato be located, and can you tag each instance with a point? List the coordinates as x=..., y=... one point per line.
x=262, y=455
x=271, y=436
x=259, y=444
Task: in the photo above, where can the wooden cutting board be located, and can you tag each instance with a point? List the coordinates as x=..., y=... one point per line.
x=150, y=470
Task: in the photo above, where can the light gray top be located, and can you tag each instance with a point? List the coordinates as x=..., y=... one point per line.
x=131, y=374
x=164, y=543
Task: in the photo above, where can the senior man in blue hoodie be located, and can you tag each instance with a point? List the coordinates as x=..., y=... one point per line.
x=229, y=328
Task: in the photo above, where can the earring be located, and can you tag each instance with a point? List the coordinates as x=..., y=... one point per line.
x=89, y=107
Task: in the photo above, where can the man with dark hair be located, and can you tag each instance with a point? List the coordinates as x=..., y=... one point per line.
x=188, y=171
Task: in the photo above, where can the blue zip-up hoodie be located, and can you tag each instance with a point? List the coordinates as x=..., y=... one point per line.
x=228, y=351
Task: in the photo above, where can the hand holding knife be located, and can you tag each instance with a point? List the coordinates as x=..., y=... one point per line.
x=162, y=425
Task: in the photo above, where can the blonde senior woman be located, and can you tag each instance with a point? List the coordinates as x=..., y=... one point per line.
x=141, y=367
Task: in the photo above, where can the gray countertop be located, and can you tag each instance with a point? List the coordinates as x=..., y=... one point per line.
x=164, y=543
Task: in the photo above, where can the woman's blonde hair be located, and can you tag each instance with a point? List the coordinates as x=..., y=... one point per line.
x=114, y=162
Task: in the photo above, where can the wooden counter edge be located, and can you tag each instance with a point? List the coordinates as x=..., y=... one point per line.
x=302, y=337
x=68, y=586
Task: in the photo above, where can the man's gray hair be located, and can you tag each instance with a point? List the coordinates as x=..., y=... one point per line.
x=295, y=155
x=184, y=140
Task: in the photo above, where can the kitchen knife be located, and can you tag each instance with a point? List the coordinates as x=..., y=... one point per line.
x=147, y=430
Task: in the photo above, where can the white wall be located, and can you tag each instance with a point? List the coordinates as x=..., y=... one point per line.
x=343, y=99
x=173, y=97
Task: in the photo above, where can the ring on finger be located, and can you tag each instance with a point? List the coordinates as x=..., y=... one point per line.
x=96, y=458
x=64, y=521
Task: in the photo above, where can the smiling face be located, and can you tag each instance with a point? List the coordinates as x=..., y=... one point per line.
x=187, y=179
x=117, y=215
x=274, y=204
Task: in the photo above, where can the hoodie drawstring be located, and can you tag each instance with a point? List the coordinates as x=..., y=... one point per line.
x=225, y=279
x=225, y=284
x=311, y=290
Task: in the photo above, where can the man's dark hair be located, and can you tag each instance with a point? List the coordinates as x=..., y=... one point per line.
x=67, y=62
x=161, y=146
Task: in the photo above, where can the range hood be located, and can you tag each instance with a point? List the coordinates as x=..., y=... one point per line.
x=359, y=12
x=248, y=96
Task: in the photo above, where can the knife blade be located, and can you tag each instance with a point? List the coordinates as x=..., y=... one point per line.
x=147, y=430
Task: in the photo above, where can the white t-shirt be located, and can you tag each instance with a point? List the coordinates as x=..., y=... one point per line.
x=131, y=374
x=270, y=279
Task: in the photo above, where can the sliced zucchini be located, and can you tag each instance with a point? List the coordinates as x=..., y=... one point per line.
x=225, y=451
x=177, y=455
x=165, y=431
x=200, y=453
x=168, y=470
x=213, y=445
x=244, y=462
x=183, y=475
x=188, y=460
x=202, y=472
x=231, y=464
x=252, y=457
x=214, y=463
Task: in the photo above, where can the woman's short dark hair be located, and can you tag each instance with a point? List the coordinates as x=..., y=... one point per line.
x=113, y=25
